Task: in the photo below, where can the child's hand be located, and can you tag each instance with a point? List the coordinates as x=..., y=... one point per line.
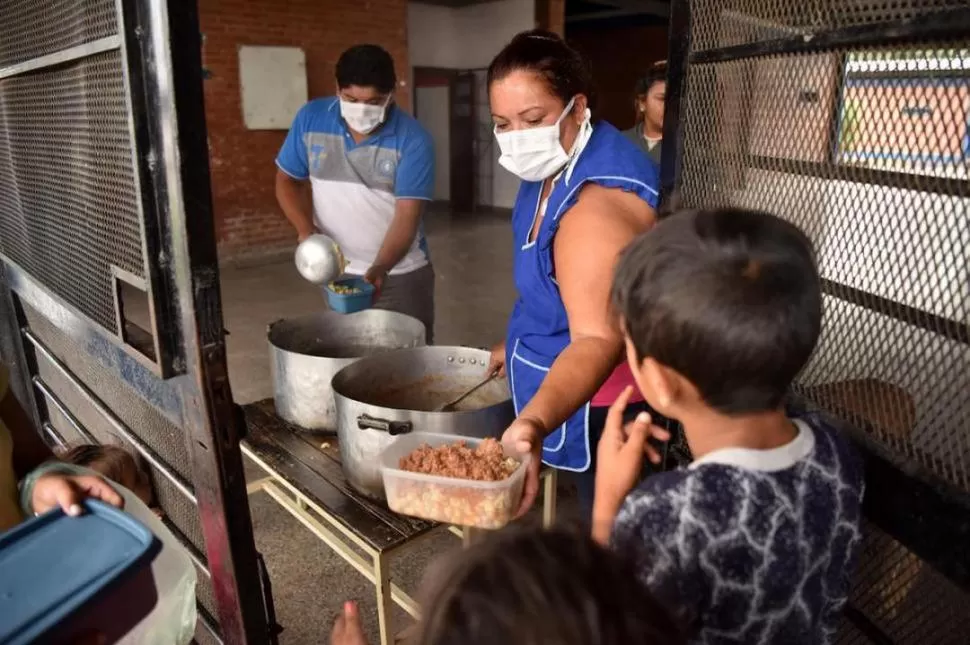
x=619, y=461
x=347, y=629
x=68, y=491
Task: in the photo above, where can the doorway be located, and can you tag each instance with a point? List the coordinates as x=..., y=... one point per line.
x=445, y=104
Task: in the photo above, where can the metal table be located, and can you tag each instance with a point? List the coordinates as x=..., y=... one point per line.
x=305, y=477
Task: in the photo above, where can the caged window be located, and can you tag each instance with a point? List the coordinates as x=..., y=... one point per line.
x=906, y=111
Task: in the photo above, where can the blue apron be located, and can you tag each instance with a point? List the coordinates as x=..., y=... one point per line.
x=538, y=329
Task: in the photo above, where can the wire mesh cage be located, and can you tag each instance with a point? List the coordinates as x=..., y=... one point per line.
x=84, y=94
x=852, y=120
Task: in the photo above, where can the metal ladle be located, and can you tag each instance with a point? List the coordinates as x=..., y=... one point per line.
x=447, y=407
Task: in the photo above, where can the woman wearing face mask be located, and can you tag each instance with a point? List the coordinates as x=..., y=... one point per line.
x=586, y=192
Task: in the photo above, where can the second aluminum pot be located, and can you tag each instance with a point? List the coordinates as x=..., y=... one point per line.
x=380, y=397
x=306, y=352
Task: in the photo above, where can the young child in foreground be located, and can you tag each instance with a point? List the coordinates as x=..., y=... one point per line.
x=756, y=540
x=531, y=587
x=116, y=464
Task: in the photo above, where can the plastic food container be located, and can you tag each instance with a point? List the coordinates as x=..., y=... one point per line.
x=462, y=502
x=62, y=577
x=348, y=303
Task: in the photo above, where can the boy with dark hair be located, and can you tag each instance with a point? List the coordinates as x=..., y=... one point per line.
x=755, y=541
x=531, y=587
x=357, y=167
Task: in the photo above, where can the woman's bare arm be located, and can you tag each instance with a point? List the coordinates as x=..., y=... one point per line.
x=587, y=246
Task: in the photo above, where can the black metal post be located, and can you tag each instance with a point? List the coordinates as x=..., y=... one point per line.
x=672, y=153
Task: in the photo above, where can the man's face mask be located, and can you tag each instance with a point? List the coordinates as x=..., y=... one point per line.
x=534, y=154
x=361, y=117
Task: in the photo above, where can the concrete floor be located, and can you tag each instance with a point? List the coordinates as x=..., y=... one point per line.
x=472, y=255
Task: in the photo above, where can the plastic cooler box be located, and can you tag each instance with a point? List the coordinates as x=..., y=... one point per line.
x=462, y=502
x=351, y=302
x=62, y=577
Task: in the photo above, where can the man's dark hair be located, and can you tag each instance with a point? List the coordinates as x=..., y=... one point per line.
x=366, y=66
x=565, y=71
x=729, y=298
x=534, y=587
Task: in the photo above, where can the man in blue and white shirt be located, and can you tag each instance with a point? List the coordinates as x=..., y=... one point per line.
x=370, y=169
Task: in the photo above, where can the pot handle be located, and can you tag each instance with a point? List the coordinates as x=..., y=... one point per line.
x=393, y=428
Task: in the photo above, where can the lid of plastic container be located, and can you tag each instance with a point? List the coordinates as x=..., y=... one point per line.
x=53, y=565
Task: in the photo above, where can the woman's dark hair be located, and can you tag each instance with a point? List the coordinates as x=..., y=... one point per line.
x=656, y=74
x=366, y=66
x=534, y=587
x=729, y=298
x=565, y=70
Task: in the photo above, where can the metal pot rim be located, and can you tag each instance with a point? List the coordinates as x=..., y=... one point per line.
x=340, y=379
x=281, y=327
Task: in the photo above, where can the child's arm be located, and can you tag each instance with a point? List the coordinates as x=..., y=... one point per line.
x=619, y=462
x=57, y=484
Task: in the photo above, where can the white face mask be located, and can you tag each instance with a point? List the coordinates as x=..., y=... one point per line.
x=361, y=117
x=535, y=154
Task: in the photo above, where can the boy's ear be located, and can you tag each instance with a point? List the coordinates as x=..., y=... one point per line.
x=662, y=381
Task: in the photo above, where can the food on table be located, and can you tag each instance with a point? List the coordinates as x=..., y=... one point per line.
x=486, y=463
x=464, y=505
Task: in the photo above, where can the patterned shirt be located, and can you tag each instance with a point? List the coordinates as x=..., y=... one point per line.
x=751, y=546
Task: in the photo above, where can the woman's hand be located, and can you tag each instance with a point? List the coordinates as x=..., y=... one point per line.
x=526, y=435
x=68, y=491
x=496, y=364
x=619, y=461
x=347, y=629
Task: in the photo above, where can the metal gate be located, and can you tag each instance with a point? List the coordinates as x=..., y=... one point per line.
x=850, y=118
x=111, y=320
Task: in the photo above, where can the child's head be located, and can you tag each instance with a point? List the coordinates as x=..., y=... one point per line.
x=540, y=587
x=720, y=308
x=116, y=464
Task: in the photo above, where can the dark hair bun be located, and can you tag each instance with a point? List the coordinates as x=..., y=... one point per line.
x=566, y=72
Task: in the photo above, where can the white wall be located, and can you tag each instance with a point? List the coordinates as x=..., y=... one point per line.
x=431, y=105
x=467, y=38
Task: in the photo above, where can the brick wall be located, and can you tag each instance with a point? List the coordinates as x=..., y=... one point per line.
x=618, y=55
x=248, y=220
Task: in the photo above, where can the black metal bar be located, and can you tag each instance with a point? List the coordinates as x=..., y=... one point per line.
x=925, y=320
x=52, y=398
x=48, y=429
x=92, y=399
x=859, y=174
x=208, y=623
x=938, y=26
x=196, y=556
x=266, y=586
x=169, y=357
x=165, y=38
x=672, y=152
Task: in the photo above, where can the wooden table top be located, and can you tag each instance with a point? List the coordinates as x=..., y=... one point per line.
x=310, y=462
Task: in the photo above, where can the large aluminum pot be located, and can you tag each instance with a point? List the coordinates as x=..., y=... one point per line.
x=306, y=352
x=382, y=396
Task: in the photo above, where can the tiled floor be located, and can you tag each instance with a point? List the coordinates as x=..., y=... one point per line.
x=472, y=255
